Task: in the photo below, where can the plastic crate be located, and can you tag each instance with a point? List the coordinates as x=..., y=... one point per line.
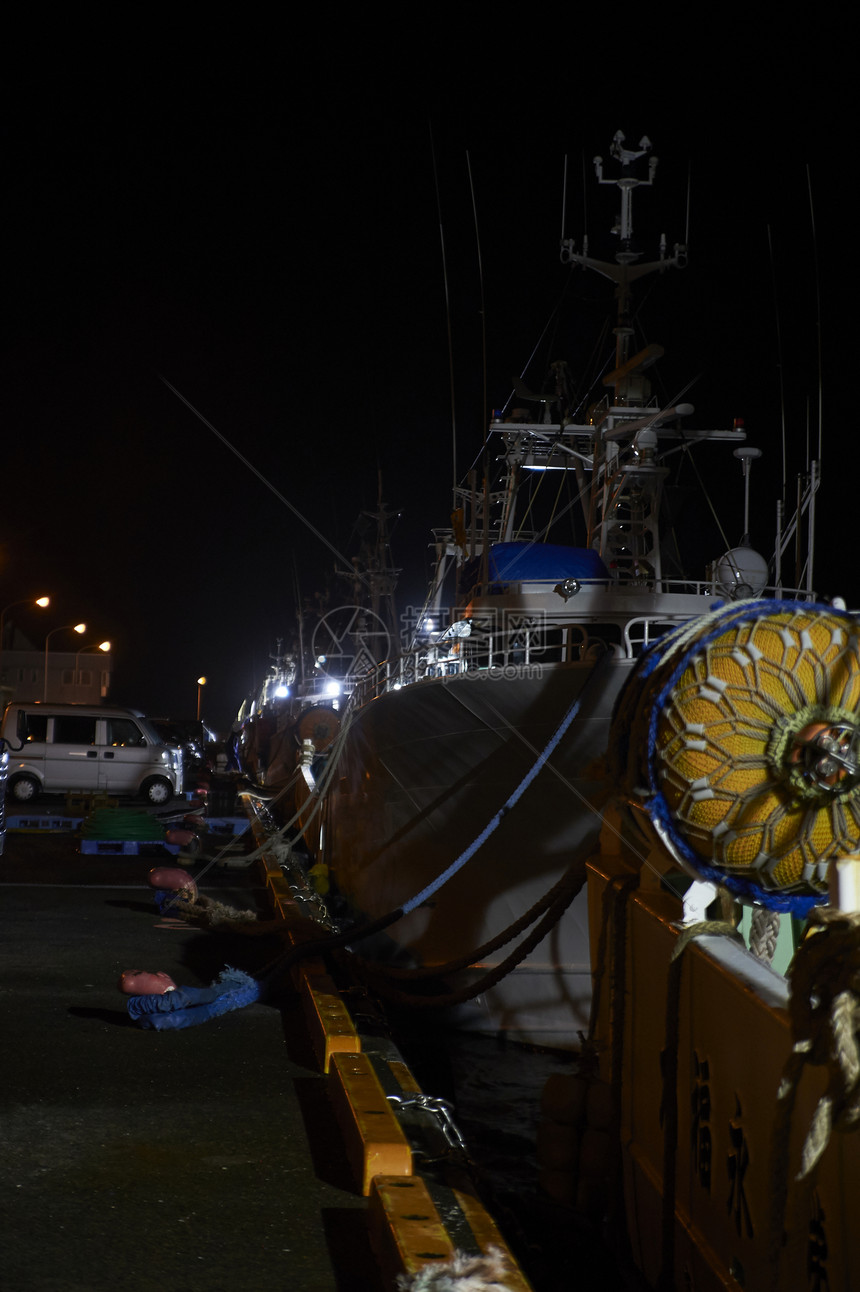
x=126, y=847
x=226, y=824
x=35, y=824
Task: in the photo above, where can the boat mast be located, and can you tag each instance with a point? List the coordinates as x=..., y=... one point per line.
x=626, y=480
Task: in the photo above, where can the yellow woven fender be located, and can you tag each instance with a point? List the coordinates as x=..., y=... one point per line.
x=751, y=745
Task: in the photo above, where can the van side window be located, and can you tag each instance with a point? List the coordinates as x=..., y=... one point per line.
x=35, y=727
x=122, y=731
x=72, y=729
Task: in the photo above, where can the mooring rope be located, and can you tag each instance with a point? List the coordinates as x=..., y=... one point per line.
x=764, y=933
x=511, y=802
x=378, y=978
x=824, y=1011
x=419, y=972
x=365, y=929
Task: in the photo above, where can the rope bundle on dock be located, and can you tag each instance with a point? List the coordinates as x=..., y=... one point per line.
x=484, y=1273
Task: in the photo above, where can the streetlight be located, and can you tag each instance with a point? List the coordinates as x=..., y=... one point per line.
x=28, y=601
x=105, y=646
x=201, y=682
x=75, y=628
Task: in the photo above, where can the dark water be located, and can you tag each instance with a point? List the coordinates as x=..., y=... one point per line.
x=495, y=1087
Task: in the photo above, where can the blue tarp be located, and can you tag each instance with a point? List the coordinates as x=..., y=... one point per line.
x=516, y=561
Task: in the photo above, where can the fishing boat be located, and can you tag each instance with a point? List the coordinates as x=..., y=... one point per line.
x=296, y=712
x=647, y=781
x=472, y=744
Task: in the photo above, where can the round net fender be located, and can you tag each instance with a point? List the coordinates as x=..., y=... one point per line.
x=740, y=733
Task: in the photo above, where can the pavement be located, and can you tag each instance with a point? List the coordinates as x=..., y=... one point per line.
x=194, y=1161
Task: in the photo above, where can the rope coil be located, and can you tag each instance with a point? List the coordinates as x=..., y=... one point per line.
x=824, y=1011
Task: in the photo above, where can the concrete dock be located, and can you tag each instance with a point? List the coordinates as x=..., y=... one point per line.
x=212, y=1158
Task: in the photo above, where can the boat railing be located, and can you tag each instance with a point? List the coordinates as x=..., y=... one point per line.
x=523, y=651
x=646, y=582
x=404, y=670
x=519, y=645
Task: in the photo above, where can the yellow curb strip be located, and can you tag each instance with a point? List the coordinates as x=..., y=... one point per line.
x=374, y=1141
x=405, y=1228
x=406, y=1232
x=329, y=1023
x=404, y=1077
x=487, y=1235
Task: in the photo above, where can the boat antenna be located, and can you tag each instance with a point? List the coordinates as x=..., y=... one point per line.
x=584, y=187
x=747, y=455
x=447, y=313
x=779, y=364
x=689, y=207
x=817, y=313
x=297, y=594
x=483, y=310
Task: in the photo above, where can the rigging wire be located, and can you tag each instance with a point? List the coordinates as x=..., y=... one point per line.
x=561, y=484
x=779, y=366
x=447, y=314
x=705, y=494
x=360, y=932
x=483, y=306
x=583, y=799
x=817, y=315
x=263, y=479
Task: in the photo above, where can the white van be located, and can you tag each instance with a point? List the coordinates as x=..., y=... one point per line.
x=55, y=748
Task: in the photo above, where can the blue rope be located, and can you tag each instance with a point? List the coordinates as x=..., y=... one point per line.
x=514, y=798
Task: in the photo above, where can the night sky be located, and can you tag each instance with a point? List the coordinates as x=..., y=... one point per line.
x=259, y=225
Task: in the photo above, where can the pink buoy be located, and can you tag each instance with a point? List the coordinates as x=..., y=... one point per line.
x=140, y=982
x=182, y=839
x=172, y=879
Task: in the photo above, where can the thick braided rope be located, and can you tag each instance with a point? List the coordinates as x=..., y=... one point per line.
x=764, y=933
x=824, y=1009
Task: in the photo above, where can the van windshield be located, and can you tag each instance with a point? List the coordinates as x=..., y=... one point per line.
x=152, y=736
x=122, y=731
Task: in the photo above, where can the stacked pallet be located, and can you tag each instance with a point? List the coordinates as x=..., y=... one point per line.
x=123, y=832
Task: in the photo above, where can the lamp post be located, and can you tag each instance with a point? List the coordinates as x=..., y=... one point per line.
x=103, y=646
x=42, y=602
x=75, y=628
x=201, y=682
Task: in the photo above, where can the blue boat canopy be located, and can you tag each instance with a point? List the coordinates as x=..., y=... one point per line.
x=515, y=561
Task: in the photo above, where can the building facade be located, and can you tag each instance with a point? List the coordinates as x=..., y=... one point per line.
x=75, y=677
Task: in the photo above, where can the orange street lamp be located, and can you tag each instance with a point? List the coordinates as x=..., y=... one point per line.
x=103, y=646
x=42, y=602
x=201, y=682
x=75, y=628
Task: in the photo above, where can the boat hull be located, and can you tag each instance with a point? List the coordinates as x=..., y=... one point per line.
x=423, y=772
x=699, y=1184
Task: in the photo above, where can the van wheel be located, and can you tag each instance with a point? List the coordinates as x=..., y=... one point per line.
x=157, y=790
x=23, y=788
